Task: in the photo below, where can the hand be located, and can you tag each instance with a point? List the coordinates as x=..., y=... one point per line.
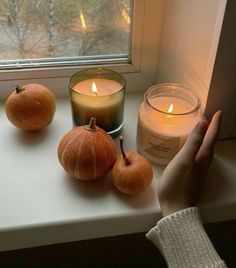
x=182, y=181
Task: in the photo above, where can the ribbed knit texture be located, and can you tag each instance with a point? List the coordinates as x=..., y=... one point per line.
x=183, y=241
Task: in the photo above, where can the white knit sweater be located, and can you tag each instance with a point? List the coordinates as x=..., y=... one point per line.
x=183, y=241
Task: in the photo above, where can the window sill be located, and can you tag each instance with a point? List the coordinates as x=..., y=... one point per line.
x=40, y=204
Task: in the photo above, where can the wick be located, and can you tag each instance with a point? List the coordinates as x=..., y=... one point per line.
x=127, y=161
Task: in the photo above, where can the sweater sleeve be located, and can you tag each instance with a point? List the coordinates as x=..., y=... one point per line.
x=183, y=241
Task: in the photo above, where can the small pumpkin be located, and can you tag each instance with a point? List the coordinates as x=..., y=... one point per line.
x=31, y=107
x=87, y=153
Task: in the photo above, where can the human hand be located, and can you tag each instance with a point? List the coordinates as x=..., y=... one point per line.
x=182, y=181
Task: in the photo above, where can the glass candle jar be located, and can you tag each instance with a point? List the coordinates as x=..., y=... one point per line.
x=99, y=93
x=166, y=117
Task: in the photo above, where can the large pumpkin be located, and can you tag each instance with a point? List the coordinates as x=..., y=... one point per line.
x=87, y=152
x=31, y=107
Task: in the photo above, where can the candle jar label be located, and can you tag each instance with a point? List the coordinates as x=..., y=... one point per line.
x=152, y=144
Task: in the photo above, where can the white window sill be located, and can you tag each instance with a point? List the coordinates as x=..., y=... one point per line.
x=40, y=204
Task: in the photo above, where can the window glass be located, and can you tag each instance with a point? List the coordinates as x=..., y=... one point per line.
x=57, y=31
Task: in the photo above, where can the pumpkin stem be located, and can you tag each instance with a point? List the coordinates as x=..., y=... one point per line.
x=92, y=125
x=127, y=161
x=19, y=89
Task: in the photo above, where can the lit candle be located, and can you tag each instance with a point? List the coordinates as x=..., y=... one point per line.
x=165, y=120
x=98, y=93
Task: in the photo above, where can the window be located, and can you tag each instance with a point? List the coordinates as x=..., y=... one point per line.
x=138, y=67
x=59, y=32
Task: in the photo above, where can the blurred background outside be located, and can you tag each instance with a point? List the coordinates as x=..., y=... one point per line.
x=37, y=29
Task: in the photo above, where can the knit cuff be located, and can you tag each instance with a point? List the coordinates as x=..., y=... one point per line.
x=183, y=241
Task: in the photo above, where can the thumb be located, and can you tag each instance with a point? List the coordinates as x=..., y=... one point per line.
x=194, y=141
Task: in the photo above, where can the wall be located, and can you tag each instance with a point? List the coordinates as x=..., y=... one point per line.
x=190, y=35
x=222, y=92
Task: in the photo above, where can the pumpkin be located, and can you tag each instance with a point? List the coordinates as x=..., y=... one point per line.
x=31, y=107
x=87, y=153
x=132, y=173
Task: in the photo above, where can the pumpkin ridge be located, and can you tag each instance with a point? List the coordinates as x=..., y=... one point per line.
x=63, y=143
x=94, y=157
x=79, y=151
x=68, y=144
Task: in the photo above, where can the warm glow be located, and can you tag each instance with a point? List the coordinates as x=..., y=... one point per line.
x=128, y=19
x=82, y=21
x=125, y=15
x=171, y=108
x=94, y=88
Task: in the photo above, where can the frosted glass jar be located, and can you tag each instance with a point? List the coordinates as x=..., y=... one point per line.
x=165, y=119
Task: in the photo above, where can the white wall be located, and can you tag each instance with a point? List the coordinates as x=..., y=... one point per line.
x=189, y=40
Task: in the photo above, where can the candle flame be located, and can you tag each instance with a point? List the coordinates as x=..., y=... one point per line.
x=82, y=20
x=171, y=108
x=94, y=88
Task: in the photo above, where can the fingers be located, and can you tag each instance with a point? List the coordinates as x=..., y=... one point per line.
x=192, y=145
x=211, y=135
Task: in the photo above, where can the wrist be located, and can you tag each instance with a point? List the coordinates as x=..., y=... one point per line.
x=168, y=209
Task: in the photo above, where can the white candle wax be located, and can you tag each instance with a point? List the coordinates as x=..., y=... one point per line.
x=161, y=135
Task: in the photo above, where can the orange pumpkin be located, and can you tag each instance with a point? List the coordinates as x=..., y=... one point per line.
x=87, y=152
x=31, y=107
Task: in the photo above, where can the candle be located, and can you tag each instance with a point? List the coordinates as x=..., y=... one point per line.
x=165, y=119
x=98, y=93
